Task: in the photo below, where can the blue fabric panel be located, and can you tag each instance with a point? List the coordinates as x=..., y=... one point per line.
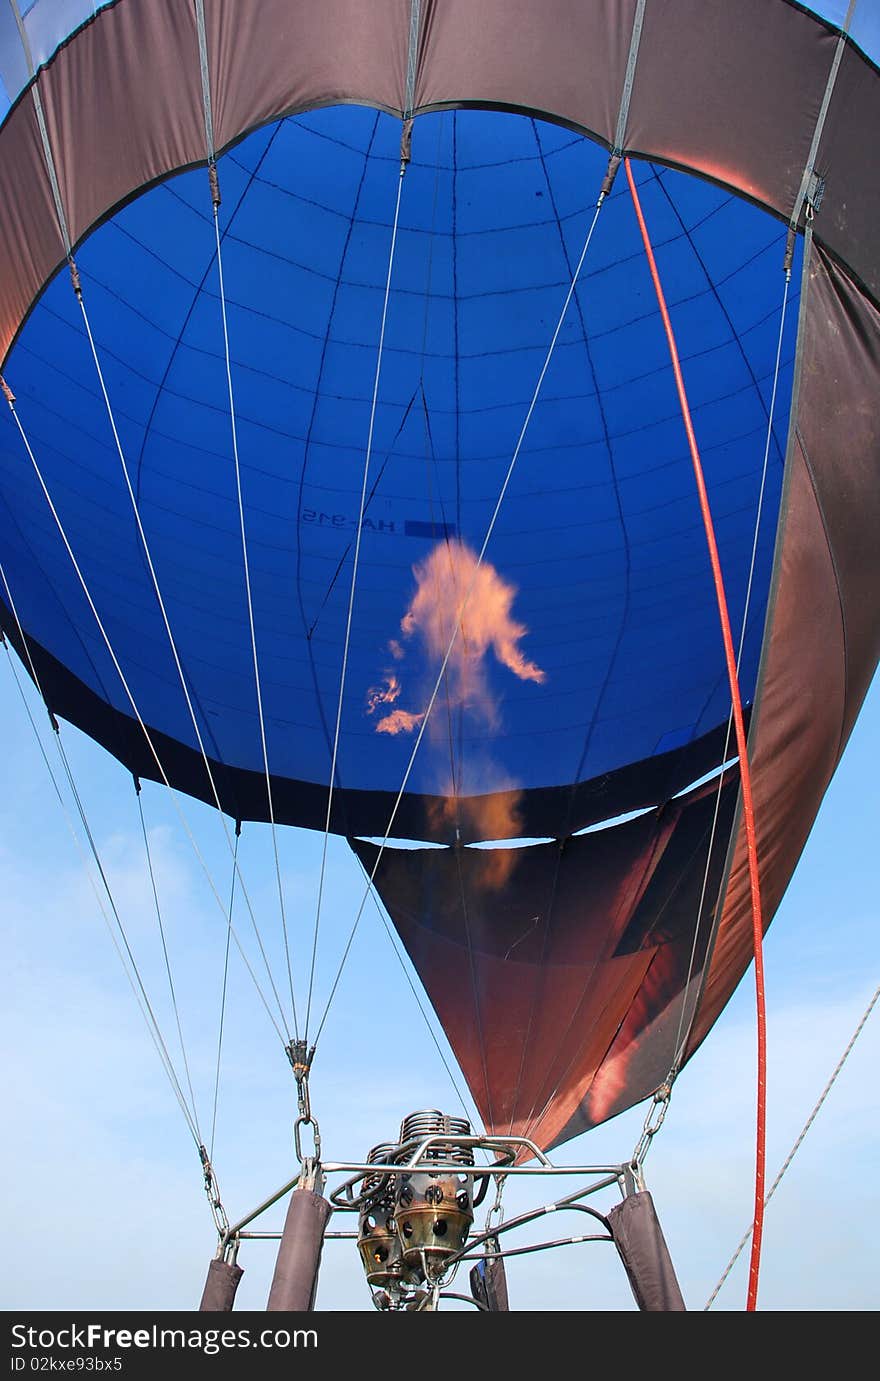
x=599, y=533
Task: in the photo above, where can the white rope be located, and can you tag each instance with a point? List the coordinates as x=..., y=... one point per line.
x=144, y=729
x=681, y=1044
x=62, y=223
x=471, y=1114
x=222, y=1009
x=140, y=996
x=354, y=574
x=166, y=621
x=796, y=1147
x=75, y=278
x=51, y=170
x=250, y=606
x=469, y=591
x=171, y=988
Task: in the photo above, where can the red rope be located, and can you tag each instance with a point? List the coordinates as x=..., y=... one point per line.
x=742, y=750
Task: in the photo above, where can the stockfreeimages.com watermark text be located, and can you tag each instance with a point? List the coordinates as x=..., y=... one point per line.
x=32, y=1344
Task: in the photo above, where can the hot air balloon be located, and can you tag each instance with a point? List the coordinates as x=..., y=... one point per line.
x=451, y=428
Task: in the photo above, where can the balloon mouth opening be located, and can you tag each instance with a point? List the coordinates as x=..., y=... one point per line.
x=587, y=637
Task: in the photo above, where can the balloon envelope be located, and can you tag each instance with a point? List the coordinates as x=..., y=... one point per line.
x=411, y=359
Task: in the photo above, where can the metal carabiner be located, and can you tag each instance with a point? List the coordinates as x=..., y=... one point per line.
x=307, y=1121
x=653, y=1122
x=497, y=1207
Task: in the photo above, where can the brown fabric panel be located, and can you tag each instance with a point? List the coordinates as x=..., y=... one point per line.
x=563, y=57
x=794, y=747
x=534, y=958
x=849, y=214
x=824, y=638
x=574, y=1047
x=523, y=983
x=508, y=891
x=642, y=1052
x=839, y=432
x=610, y=998
x=732, y=91
x=268, y=57
x=823, y=650
x=501, y=1009
x=123, y=105
x=30, y=240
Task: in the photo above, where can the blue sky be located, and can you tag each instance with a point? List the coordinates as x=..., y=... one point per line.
x=107, y=1208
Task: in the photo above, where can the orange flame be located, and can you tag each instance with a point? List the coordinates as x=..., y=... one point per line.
x=383, y=695
x=452, y=587
x=399, y=722
x=495, y=816
x=455, y=590
x=483, y=817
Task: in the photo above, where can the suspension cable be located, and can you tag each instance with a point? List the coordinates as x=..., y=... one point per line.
x=155, y=890
x=141, y=1001
x=135, y=982
x=681, y=1044
x=214, y=183
x=223, y=994
x=742, y=749
x=412, y=987
x=10, y=398
x=354, y=575
x=215, y=199
x=154, y=1035
x=78, y=291
x=797, y=1145
x=138, y=990
x=464, y=603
